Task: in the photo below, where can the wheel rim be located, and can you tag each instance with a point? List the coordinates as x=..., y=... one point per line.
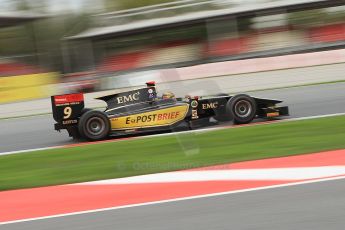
x=243, y=108
x=95, y=126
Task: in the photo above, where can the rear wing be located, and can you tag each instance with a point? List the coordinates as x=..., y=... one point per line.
x=67, y=108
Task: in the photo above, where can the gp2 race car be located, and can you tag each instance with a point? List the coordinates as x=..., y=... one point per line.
x=141, y=111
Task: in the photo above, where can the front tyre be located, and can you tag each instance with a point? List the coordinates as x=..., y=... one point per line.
x=94, y=125
x=242, y=108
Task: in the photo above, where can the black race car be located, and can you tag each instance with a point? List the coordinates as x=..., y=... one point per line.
x=141, y=111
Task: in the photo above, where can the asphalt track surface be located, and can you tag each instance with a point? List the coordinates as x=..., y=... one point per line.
x=38, y=132
x=316, y=206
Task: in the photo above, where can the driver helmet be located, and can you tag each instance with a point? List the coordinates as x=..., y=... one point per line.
x=168, y=95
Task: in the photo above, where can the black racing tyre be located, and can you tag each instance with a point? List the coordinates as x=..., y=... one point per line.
x=242, y=108
x=73, y=130
x=94, y=125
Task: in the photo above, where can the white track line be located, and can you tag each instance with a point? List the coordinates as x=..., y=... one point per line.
x=314, y=117
x=281, y=174
x=174, y=200
x=184, y=132
x=28, y=150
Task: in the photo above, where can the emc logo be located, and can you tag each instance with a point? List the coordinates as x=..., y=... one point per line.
x=128, y=98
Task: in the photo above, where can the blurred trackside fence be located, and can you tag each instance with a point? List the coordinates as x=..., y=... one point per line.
x=254, y=74
x=240, y=75
x=180, y=34
x=21, y=81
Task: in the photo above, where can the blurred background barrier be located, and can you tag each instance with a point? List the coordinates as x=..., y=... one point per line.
x=28, y=87
x=28, y=80
x=279, y=74
x=94, y=46
x=229, y=69
x=126, y=45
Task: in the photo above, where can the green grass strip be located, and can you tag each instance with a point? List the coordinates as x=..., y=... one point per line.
x=167, y=153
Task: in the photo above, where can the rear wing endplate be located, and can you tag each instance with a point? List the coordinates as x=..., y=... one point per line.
x=67, y=108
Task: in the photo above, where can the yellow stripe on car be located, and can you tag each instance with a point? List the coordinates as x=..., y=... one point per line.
x=161, y=117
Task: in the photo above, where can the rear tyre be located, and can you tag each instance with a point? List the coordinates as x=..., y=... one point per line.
x=242, y=108
x=73, y=130
x=94, y=125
